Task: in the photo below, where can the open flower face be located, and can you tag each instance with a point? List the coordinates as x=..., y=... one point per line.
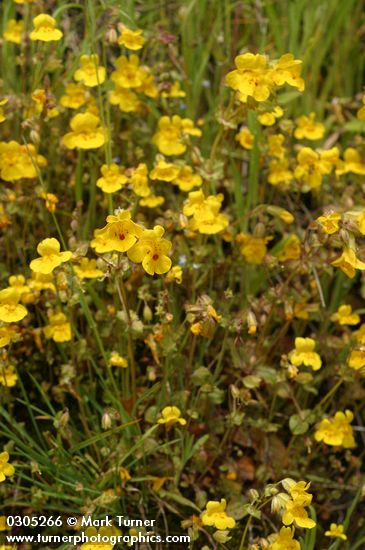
x=50, y=257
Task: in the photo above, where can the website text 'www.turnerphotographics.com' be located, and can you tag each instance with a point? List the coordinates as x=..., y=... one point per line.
x=109, y=530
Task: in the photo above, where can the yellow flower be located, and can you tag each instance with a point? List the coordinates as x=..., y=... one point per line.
x=295, y=513
x=7, y=333
x=337, y=431
x=344, y=316
x=311, y=168
x=253, y=249
x=196, y=328
x=348, y=262
x=152, y=201
x=13, y=31
x=171, y=415
x=124, y=474
x=175, y=274
x=360, y=334
x=18, y=282
x=45, y=29
x=164, y=171
x=205, y=212
x=119, y=234
x=356, y=359
x=245, y=138
x=59, y=329
x=287, y=71
x=174, y=91
x=75, y=96
x=215, y=515
x=275, y=145
x=151, y=250
x=170, y=134
x=299, y=489
x=113, y=178
x=284, y=540
x=10, y=309
x=50, y=256
x=90, y=73
x=132, y=40
x=6, y=470
x=139, y=181
x=251, y=78
x=128, y=73
x=304, y=354
x=351, y=163
x=187, y=179
x=117, y=360
x=279, y=172
x=88, y=270
x=308, y=128
x=127, y=101
x=86, y=134
x=16, y=161
x=8, y=376
x=269, y=119
x=336, y=531
x=330, y=222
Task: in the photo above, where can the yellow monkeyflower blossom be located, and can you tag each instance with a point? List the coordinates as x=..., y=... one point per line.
x=151, y=249
x=279, y=173
x=287, y=71
x=356, y=359
x=59, y=329
x=352, y=163
x=206, y=217
x=45, y=29
x=170, y=134
x=308, y=128
x=174, y=275
x=330, y=222
x=152, y=201
x=113, y=178
x=269, y=118
x=132, y=40
x=7, y=334
x=336, y=531
x=251, y=78
x=304, y=354
x=10, y=309
x=87, y=269
x=86, y=132
x=13, y=31
x=18, y=282
x=284, y=540
x=128, y=73
x=359, y=334
x=50, y=256
x=6, y=469
x=174, y=91
x=117, y=360
x=295, y=512
x=90, y=73
x=127, y=101
x=245, y=138
x=311, y=168
x=344, y=316
x=139, y=181
x=275, y=146
x=8, y=376
x=348, y=262
x=289, y=249
x=337, y=431
x=17, y=161
x=215, y=515
x=119, y=234
x=253, y=249
x=164, y=171
x=171, y=415
x=75, y=96
x=187, y=179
